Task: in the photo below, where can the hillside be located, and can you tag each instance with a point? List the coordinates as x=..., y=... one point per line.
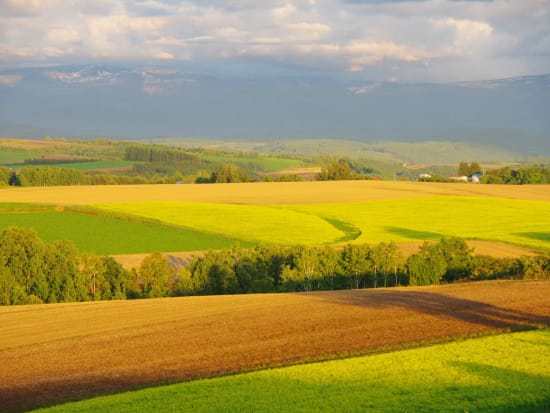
x=391, y=152
x=167, y=101
x=60, y=352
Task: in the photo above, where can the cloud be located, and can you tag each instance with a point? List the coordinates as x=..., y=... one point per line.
x=10, y=80
x=431, y=39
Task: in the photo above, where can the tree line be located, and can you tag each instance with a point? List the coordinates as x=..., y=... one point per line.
x=33, y=271
x=520, y=176
x=55, y=176
x=157, y=153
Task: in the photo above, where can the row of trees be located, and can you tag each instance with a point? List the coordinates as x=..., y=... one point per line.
x=333, y=169
x=157, y=153
x=54, y=176
x=300, y=268
x=32, y=271
x=521, y=176
x=468, y=169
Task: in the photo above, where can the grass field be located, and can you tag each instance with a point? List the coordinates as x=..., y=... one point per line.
x=95, y=231
x=514, y=221
x=60, y=352
x=94, y=165
x=10, y=156
x=249, y=223
x=315, y=212
x=262, y=163
x=505, y=373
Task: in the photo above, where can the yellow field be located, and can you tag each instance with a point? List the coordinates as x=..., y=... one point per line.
x=280, y=193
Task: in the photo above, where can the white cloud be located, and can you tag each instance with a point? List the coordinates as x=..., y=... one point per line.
x=10, y=80
x=428, y=38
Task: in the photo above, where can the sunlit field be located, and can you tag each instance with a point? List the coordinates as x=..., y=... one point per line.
x=506, y=373
x=280, y=193
x=311, y=213
x=94, y=231
x=52, y=353
x=514, y=221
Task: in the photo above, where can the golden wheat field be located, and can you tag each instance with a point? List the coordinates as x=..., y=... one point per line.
x=53, y=353
x=272, y=193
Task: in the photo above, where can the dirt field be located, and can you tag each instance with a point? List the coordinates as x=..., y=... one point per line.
x=280, y=193
x=52, y=353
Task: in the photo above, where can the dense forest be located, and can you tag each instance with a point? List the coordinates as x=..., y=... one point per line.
x=33, y=271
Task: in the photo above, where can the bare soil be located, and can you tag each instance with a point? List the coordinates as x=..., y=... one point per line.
x=60, y=352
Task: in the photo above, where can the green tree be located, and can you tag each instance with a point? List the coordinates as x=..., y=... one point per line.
x=10, y=291
x=378, y=261
x=329, y=264
x=117, y=279
x=184, y=282
x=221, y=274
x=463, y=169
x=475, y=168
x=354, y=262
x=229, y=174
x=307, y=265
x=14, y=180
x=395, y=262
x=93, y=271
x=337, y=170
x=427, y=266
x=457, y=256
x=155, y=274
x=22, y=252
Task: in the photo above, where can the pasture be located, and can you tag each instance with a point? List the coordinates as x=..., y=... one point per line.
x=105, y=234
x=95, y=165
x=260, y=163
x=504, y=373
x=60, y=352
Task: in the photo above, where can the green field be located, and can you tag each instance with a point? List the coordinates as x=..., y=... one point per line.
x=95, y=231
x=260, y=163
x=495, y=219
x=80, y=166
x=514, y=221
x=252, y=223
x=93, y=165
x=505, y=373
x=139, y=227
x=13, y=156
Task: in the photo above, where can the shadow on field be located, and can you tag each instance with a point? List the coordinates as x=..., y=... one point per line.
x=537, y=236
x=441, y=306
x=413, y=234
x=499, y=378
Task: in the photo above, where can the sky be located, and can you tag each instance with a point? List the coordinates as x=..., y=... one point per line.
x=372, y=40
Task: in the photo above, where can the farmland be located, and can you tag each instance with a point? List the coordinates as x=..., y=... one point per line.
x=60, y=352
x=312, y=212
x=94, y=231
x=480, y=374
x=513, y=221
x=216, y=216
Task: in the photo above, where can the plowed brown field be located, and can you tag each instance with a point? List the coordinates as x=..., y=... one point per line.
x=53, y=353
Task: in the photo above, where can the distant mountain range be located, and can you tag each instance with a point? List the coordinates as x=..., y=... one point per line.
x=147, y=102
